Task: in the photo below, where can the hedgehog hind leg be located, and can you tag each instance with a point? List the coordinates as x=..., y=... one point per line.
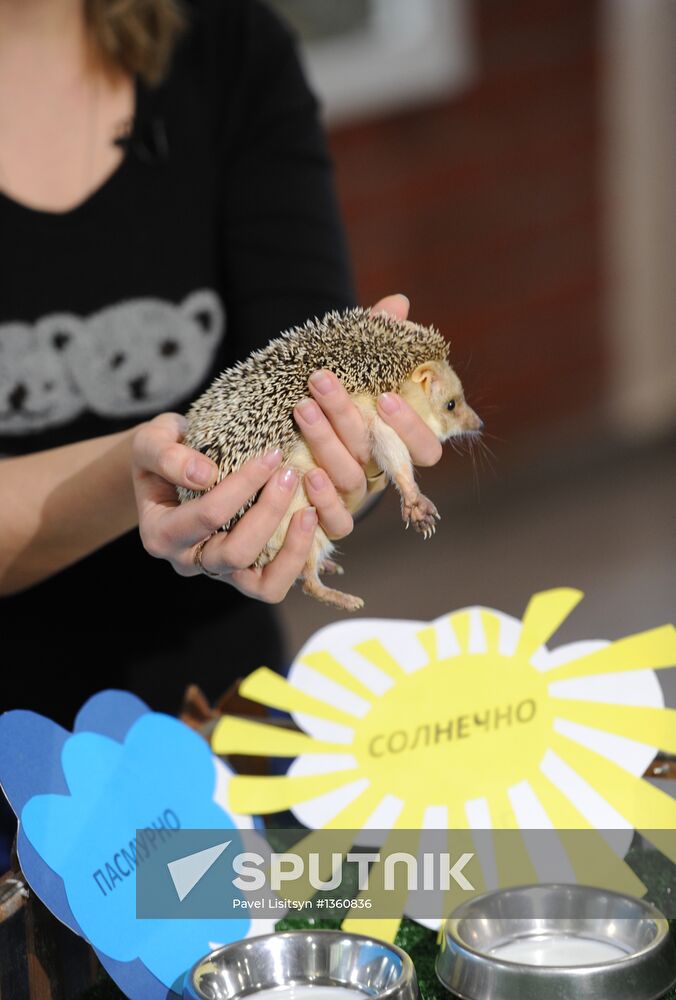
x=313, y=586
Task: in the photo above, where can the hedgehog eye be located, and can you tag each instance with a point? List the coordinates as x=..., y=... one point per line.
x=450, y=405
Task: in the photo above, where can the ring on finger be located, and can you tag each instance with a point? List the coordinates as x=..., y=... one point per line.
x=197, y=559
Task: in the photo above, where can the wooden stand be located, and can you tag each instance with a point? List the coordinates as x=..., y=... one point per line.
x=40, y=959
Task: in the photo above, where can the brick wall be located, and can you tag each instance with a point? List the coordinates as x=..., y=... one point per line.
x=485, y=210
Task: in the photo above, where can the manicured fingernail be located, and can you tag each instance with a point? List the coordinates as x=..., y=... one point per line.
x=200, y=471
x=308, y=519
x=389, y=403
x=322, y=382
x=288, y=479
x=272, y=459
x=309, y=411
x=317, y=479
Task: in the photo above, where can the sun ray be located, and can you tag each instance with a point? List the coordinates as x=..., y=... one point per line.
x=476, y=813
x=234, y=735
x=461, y=840
x=460, y=623
x=273, y=690
x=326, y=664
x=374, y=651
x=457, y=816
x=513, y=862
x=501, y=811
x=593, y=860
x=381, y=928
x=650, y=650
x=262, y=794
x=543, y=616
x=632, y=797
x=386, y=928
x=427, y=637
x=354, y=815
x=653, y=726
x=491, y=626
x=663, y=840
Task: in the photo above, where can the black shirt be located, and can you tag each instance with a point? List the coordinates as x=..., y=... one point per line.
x=218, y=230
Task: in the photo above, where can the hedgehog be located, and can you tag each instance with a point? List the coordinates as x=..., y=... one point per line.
x=248, y=410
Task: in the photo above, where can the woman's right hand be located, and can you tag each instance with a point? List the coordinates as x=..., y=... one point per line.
x=173, y=531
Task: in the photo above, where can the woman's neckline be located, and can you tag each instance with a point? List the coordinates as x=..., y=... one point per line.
x=100, y=191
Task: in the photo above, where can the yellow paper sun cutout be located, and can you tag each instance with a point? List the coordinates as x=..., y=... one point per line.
x=464, y=723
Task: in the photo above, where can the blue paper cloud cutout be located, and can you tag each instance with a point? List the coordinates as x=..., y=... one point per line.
x=30, y=764
x=115, y=787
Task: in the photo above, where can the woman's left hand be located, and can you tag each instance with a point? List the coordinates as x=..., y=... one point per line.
x=337, y=436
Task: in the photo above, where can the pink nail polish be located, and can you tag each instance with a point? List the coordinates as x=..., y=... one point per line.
x=309, y=411
x=272, y=459
x=308, y=519
x=288, y=479
x=322, y=382
x=389, y=403
x=200, y=471
x=317, y=479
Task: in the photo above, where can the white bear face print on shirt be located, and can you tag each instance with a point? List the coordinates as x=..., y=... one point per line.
x=36, y=388
x=135, y=357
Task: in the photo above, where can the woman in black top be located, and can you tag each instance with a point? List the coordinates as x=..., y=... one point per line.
x=158, y=223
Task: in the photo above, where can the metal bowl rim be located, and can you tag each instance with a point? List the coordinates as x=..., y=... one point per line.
x=651, y=912
x=407, y=970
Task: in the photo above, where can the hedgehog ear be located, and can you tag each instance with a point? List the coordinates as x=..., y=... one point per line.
x=427, y=375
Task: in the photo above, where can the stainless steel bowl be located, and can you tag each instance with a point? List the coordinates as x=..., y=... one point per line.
x=485, y=935
x=303, y=958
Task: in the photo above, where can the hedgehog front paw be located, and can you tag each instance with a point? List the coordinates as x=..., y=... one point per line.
x=422, y=514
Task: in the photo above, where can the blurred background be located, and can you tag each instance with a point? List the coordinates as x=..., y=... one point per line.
x=510, y=166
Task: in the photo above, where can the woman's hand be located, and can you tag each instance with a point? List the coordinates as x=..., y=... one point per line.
x=338, y=439
x=173, y=531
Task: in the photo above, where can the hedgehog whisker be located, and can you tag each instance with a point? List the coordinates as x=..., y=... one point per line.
x=486, y=448
x=488, y=456
x=475, y=470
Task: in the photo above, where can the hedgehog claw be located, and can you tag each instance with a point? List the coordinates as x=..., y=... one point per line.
x=422, y=514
